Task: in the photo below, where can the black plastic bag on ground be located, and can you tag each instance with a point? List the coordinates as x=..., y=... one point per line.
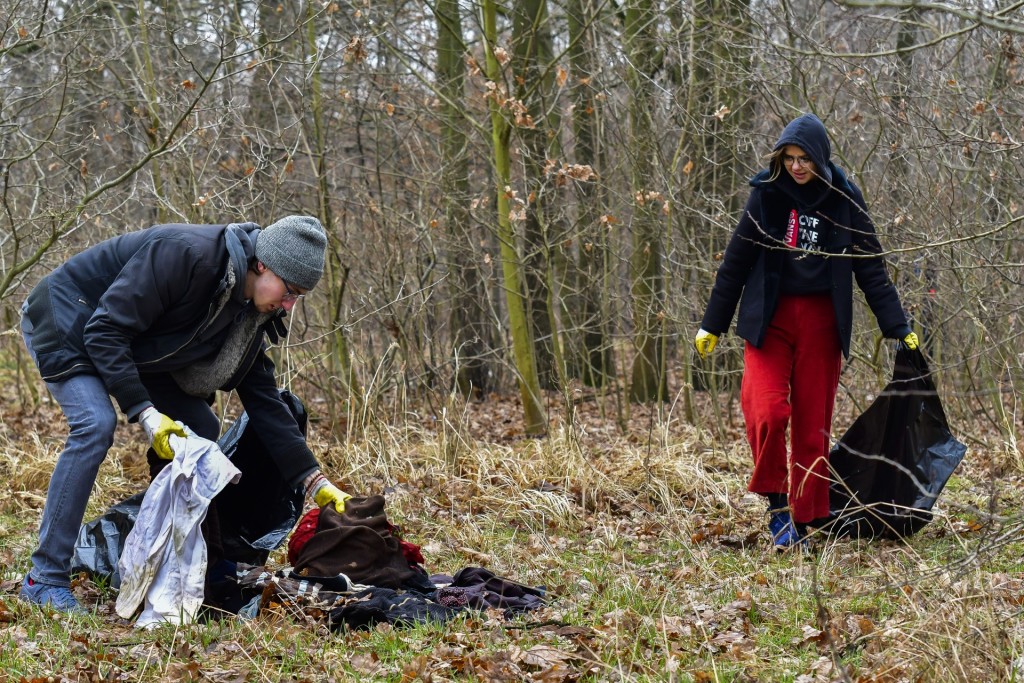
x=100, y=541
x=891, y=465
x=256, y=514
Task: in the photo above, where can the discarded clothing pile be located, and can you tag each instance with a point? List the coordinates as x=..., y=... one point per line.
x=356, y=567
x=357, y=606
x=361, y=544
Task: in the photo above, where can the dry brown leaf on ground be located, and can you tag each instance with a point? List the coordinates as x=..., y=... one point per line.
x=550, y=664
x=365, y=662
x=730, y=640
x=180, y=672
x=416, y=668
x=543, y=656
x=145, y=654
x=675, y=627
x=227, y=675
x=495, y=668
x=810, y=635
x=6, y=616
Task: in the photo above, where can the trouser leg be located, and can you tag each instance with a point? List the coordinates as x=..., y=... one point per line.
x=91, y=422
x=815, y=380
x=764, y=396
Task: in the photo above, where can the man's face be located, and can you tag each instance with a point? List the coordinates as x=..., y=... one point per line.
x=272, y=292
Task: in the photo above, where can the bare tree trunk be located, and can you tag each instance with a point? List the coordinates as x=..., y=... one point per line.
x=531, y=40
x=511, y=263
x=467, y=317
x=589, y=356
x=336, y=272
x=718, y=105
x=646, y=278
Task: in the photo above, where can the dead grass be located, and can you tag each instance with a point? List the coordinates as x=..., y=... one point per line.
x=653, y=552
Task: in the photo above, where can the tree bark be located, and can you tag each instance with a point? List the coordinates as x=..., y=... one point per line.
x=511, y=262
x=467, y=317
x=646, y=278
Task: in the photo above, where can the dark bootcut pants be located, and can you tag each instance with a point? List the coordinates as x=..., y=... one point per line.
x=196, y=414
x=790, y=383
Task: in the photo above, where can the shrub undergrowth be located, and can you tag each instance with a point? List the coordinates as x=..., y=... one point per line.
x=654, y=557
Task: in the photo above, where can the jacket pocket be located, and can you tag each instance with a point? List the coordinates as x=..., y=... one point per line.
x=58, y=313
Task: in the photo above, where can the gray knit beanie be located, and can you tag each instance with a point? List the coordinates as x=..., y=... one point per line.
x=293, y=248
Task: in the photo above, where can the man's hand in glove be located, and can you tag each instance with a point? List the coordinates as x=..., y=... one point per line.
x=705, y=343
x=325, y=493
x=275, y=329
x=911, y=341
x=159, y=428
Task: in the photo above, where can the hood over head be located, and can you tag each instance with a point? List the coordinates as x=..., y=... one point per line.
x=808, y=133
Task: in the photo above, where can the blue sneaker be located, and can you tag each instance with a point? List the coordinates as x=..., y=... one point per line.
x=59, y=598
x=783, y=531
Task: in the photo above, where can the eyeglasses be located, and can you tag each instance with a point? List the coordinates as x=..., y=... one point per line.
x=290, y=294
x=789, y=160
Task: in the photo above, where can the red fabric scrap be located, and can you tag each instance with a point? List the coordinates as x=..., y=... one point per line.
x=411, y=551
x=303, y=532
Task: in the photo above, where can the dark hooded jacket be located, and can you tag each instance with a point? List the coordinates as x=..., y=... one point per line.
x=755, y=260
x=158, y=301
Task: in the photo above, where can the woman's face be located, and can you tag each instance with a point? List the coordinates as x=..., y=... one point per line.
x=799, y=166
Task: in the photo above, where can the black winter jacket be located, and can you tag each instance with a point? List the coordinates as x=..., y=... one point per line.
x=753, y=262
x=145, y=302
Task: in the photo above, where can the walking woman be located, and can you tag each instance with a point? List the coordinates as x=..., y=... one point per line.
x=804, y=235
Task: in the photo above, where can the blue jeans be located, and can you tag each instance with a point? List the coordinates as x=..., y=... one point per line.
x=92, y=420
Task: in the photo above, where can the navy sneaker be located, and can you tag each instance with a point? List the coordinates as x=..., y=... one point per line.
x=59, y=598
x=783, y=531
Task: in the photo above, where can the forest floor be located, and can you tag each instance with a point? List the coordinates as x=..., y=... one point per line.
x=654, y=557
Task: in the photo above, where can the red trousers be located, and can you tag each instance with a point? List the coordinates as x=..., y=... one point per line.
x=790, y=382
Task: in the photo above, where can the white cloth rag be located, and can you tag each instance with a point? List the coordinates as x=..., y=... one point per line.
x=164, y=558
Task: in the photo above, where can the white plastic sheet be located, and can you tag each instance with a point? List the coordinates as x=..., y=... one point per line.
x=164, y=560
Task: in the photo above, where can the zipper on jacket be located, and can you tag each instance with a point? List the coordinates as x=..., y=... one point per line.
x=195, y=334
x=65, y=373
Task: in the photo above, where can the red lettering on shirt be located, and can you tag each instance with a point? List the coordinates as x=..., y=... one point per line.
x=792, y=229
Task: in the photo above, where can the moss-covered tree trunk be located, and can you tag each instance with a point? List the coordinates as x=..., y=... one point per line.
x=511, y=261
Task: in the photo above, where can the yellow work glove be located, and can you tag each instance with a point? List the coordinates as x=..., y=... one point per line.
x=911, y=341
x=325, y=493
x=159, y=428
x=705, y=343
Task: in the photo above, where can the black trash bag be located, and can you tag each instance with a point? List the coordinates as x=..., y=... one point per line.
x=256, y=514
x=891, y=465
x=100, y=541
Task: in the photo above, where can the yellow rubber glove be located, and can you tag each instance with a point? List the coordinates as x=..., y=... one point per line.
x=705, y=343
x=326, y=493
x=159, y=428
x=911, y=341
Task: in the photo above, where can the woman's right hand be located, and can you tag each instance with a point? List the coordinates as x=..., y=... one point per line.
x=705, y=343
